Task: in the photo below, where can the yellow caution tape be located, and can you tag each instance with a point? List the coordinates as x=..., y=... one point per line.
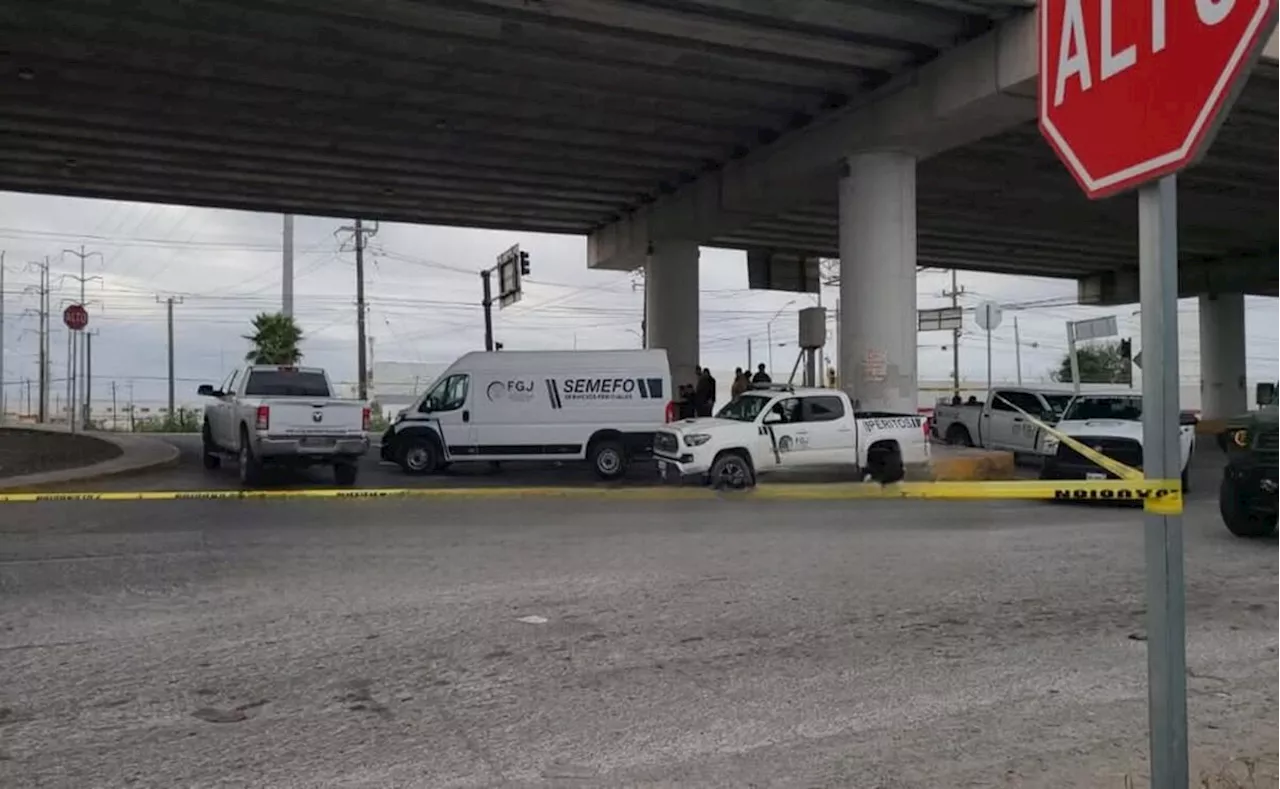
x=1164, y=496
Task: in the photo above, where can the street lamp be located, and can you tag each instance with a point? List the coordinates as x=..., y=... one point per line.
x=768, y=330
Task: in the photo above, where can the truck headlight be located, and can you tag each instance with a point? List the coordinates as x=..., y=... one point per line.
x=1240, y=438
x=696, y=439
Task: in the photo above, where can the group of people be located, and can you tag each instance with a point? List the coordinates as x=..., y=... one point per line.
x=699, y=399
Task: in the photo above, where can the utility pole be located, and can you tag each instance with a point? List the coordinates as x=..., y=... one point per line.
x=1017, y=348
x=360, y=234
x=88, y=378
x=42, y=291
x=115, y=423
x=168, y=302
x=81, y=354
x=133, y=427
x=955, y=293
x=286, y=283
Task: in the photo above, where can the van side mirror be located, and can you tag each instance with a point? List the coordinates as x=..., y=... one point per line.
x=205, y=390
x=1264, y=394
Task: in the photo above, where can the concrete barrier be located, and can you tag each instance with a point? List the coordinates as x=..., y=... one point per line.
x=1210, y=427
x=969, y=465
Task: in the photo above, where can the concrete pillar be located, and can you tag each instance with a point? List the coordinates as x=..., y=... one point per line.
x=671, y=306
x=877, y=322
x=1223, y=390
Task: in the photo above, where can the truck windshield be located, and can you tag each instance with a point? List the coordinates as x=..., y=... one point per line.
x=1058, y=402
x=286, y=383
x=745, y=408
x=1123, y=407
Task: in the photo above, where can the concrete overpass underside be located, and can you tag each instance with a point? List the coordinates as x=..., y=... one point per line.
x=541, y=115
x=1006, y=204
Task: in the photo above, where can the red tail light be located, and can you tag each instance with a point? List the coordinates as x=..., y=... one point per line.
x=264, y=418
x=671, y=411
x=366, y=420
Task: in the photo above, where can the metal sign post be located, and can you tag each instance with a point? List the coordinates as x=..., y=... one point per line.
x=989, y=317
x=1162, y=534
x=1161, y=106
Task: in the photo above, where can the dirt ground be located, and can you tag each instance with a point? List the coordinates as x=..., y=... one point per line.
x=34, y=451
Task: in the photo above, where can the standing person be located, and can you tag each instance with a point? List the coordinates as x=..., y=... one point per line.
x=761, y=377
x=705, y=393
x=740, y=383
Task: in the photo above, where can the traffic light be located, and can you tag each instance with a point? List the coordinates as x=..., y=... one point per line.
x=524, y=264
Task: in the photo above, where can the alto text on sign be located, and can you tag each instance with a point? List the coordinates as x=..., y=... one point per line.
x=1132, y=90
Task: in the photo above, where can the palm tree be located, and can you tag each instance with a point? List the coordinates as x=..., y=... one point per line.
x=275, y=340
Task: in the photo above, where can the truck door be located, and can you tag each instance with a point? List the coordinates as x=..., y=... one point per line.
x=786, y=434
x=449, y=406
x=222, y=423
x=1009, y=429
x=831, y=433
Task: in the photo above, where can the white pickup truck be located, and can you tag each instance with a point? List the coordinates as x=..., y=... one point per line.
x=995, y=424
x=1110, y=424
x=267, y=414
x=777, y=427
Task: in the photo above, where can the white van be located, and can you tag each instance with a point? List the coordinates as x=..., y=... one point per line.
x=598, y=406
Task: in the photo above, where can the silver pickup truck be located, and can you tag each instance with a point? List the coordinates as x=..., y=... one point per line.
x=268, y=414
x=995, y=424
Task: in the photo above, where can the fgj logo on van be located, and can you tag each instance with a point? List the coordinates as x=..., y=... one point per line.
x=603, y=389
x=519, y=390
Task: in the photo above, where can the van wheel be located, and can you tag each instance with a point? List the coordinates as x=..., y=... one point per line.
x=608, y=459
x=419, y=456
x=731, y=470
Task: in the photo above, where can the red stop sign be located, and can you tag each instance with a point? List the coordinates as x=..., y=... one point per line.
x=76, y=317
x=1132, y=90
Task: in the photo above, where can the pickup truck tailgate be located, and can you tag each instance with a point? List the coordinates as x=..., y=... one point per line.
x=300, y=416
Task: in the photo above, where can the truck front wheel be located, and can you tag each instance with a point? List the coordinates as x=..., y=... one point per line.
x=731, y=470
x=1239, y=517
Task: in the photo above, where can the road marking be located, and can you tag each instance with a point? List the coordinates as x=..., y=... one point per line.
x=1164, y=496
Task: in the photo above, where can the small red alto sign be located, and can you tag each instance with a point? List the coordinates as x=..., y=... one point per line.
x=76, y=317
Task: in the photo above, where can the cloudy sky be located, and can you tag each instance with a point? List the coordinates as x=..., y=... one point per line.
x=423, y=294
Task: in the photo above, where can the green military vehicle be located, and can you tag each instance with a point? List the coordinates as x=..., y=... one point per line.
x=1247, y=498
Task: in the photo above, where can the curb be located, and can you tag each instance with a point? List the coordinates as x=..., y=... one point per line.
x=974, y=465
x=156, y=454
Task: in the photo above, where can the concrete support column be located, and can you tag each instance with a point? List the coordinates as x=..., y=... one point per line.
x=1223, y=390
x=878, y=281
x=671, y=306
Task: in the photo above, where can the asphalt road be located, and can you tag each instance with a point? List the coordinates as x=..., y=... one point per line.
x=529, y=643
x=191, y=475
